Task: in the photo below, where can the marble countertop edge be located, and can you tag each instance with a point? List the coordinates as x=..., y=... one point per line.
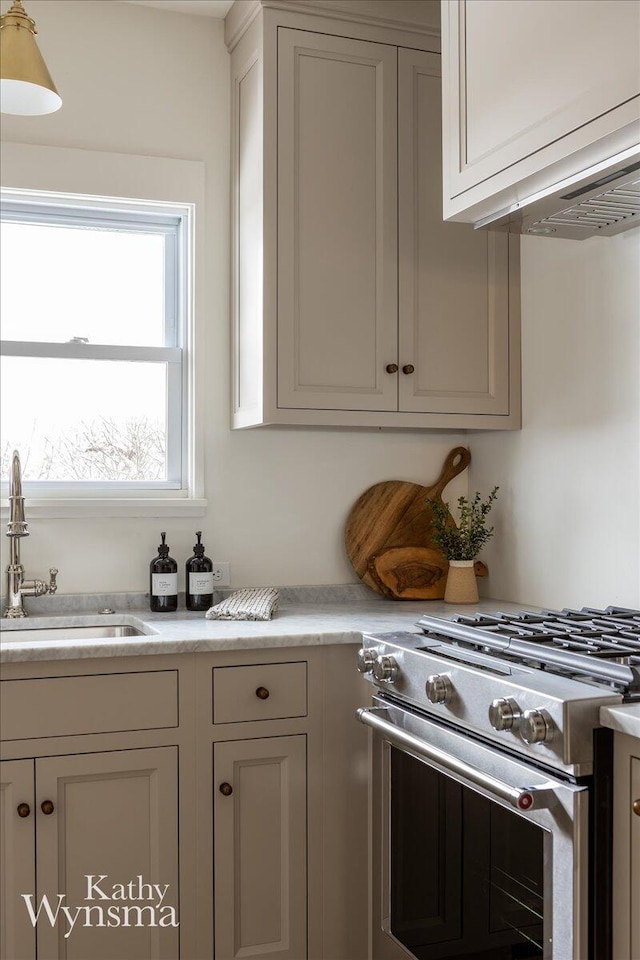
x=46, y=650
x=623, y=718
x=294, y=625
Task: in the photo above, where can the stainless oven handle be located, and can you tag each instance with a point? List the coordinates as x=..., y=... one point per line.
x=522, y=798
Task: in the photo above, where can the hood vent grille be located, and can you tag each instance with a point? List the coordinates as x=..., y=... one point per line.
x=598, y=202
x=598, y=213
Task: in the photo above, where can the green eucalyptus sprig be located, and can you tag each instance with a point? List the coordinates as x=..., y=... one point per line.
x=464, y=541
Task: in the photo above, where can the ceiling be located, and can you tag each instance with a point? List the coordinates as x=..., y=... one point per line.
x=203, y=8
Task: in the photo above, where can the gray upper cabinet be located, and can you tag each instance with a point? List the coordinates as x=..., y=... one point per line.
x=535, y=92
x=454, y=282
x=337, y=223
x=353, y=303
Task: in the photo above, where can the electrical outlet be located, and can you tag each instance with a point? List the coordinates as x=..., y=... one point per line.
x=221, y=574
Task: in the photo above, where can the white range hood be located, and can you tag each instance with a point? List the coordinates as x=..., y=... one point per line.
x=601, y=201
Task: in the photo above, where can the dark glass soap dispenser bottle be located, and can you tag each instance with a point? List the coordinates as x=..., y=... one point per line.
x=199, y=579
x=163, y=580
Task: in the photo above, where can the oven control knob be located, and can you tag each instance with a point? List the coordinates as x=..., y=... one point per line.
x=385, y=669
x=504, y=714
x=366, y=660
x=536, y=726
x=439, y=688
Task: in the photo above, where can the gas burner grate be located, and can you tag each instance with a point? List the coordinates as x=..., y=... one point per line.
x=603, y=645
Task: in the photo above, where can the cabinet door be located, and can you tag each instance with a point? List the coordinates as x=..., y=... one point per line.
x=337, y=223
x=115, y=815
x=635, y=856
x=17, y=859
x=515, y=105
x=260, y=848
x=454, y=281
x=528, y=85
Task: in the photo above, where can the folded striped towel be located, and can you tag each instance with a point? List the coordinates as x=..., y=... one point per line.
x=259, y=603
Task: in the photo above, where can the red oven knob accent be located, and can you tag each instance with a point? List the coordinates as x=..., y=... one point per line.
x=525, y=801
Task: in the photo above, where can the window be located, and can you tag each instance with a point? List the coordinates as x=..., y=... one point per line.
x=94, y=377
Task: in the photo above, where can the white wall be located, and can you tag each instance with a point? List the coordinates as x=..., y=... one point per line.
x=142, y=81
x=568, y=515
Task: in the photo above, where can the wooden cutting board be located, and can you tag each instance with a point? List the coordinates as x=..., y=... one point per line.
x=389, y=536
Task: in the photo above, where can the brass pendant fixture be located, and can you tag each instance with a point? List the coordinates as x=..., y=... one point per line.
x=26, y=87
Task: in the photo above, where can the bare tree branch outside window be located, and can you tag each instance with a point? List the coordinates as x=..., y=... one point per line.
x=102, y=449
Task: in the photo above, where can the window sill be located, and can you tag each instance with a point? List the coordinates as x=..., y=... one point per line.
x=88, y=508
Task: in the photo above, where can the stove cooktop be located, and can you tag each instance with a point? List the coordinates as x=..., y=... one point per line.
x=531, y=682
x=601, y=646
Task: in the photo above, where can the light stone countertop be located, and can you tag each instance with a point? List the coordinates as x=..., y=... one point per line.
x=625, y=718
x=295, y=624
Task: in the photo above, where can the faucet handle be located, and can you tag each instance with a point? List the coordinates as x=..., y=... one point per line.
x=53, y=573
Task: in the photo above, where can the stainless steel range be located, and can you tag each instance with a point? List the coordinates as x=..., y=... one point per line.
x=492, y=777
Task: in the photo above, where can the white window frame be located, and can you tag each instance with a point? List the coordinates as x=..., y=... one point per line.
x=133, y=186
x=173, y=353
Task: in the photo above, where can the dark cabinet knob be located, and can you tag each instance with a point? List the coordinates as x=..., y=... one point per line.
x=408, y=368
x=262, y=693
x=47, y=807
x=226, y=789
x=635, y=806
x=24, y=809
x=391, y=368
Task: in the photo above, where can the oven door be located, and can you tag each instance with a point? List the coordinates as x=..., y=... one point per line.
x=475, y=855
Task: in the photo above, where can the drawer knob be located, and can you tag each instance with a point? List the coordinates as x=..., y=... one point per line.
x=408, y=368
x=262, y=693
x=24, y=809
x=635, y=806
x=391, y=368
x=226, y=789
x=47, y=807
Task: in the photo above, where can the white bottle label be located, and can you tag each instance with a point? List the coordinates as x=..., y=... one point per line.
x=200, y=583
x=164, y=584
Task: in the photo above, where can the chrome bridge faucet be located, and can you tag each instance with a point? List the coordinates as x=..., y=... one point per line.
x=17, y=586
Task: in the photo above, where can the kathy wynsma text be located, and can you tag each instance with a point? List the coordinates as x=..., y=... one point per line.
x=131, y=904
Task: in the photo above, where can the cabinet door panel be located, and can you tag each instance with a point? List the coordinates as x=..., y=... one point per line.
x=17, y=860
x=260, y=849
x=514, y=105
x=247, y=238
x=337, y=217
x=115, y=814
x=635, y=861
x=454, y=281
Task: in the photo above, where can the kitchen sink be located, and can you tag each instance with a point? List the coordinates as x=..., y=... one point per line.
x=70, y=633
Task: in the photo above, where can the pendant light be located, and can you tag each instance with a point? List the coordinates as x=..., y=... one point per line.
x=26, y=87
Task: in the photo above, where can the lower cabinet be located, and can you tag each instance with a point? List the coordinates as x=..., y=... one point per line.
x=17, y=859
x=237, y=797
x=626, y=848
x=260, y=858
x=102, y=829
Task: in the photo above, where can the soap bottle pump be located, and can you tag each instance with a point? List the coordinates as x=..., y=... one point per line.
x=163, y=580
x=199, y=578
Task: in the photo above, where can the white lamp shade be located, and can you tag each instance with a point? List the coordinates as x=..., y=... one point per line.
x=26, y=99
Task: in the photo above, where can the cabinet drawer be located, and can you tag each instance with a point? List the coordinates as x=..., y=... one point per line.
x=267, y=691
x=107, y=703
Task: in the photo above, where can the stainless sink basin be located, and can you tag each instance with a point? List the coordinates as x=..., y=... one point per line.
x=70, y=633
